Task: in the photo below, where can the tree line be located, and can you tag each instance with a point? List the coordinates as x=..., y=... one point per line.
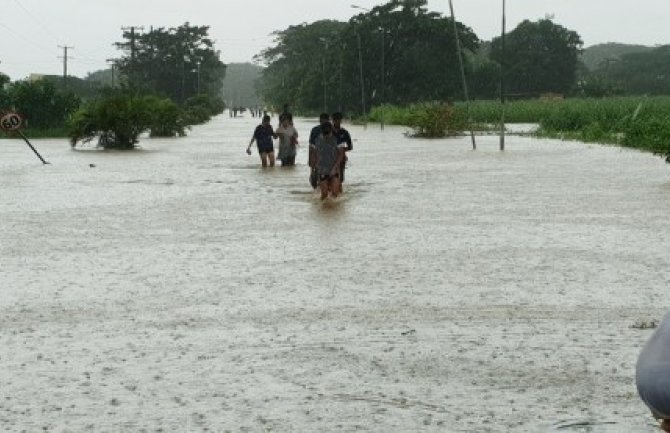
x=397, y=53
x=165, y=81
x=401, y=53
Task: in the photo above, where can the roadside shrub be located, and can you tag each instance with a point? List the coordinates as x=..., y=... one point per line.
x=432, y=120
x=649, y=132
x=167, y=120
x=436, y=120
x=200, y=109
x=120, y=116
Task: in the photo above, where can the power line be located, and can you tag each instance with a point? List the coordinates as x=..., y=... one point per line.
x=21, y=38
x=42, y=26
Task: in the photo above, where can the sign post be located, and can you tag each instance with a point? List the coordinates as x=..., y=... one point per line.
x=12, y=122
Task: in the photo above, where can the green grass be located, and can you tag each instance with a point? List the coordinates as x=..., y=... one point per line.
x=638, y=122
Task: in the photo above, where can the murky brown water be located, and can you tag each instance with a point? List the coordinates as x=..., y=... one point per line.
x=183, y=288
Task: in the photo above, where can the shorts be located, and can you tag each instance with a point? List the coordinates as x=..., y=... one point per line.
x=266, y=148
x=327, y=177
x=289, y=160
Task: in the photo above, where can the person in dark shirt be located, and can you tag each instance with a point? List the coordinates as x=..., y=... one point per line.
x=263, y=135
x=329, y=156
x=314, y=133
x=343, y=137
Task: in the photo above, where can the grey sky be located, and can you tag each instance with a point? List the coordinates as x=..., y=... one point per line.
x=31, y=30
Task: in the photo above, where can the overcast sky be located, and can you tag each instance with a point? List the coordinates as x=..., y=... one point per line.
x=32, y=30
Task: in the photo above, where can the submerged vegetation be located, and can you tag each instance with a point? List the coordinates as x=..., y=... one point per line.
x=168, y=80
x=397, y=63
x=637, y=122
x=429, y=120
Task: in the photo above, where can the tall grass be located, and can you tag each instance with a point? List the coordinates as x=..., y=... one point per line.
x=638, y=122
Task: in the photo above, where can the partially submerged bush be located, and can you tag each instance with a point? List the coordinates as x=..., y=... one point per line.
x=651, y=132
x=431, y=120
x=168, y=119
x=436, y=120
x=120, y=116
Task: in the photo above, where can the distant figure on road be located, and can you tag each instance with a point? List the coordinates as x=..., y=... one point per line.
x=286, y=111
x=652, y=375
x=314, y=133
x=329, y=157
x=263, y=135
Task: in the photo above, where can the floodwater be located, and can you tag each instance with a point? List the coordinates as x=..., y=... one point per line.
x=181, y=288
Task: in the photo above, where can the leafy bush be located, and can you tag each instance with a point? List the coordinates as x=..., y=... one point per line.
x=168, y=119
x=120, y=116
x=650, y=132
x=436, y=119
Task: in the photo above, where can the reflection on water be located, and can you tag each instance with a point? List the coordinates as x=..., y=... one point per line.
x=191, y=287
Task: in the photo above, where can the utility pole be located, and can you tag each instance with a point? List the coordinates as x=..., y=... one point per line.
x=198, y=77
x=113, y=62
x=323, y=74
x=462, y=68
x=360, y=71
x=502, y=79
x=65, y=48
x=133, y=36
x=132, y=39
x=383, y=98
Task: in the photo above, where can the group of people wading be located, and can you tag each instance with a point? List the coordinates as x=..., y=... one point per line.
x=328, y=144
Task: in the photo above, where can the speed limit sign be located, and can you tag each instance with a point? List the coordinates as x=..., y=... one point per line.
x=10, y=122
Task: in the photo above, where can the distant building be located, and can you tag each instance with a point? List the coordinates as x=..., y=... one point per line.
x=35, y=77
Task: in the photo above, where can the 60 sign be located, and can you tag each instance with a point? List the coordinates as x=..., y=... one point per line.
x=10, y=122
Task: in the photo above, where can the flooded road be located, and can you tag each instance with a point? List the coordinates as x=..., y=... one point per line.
x=181, y=288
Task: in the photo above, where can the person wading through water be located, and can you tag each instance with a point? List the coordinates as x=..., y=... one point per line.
x=329, y=157
x=314, y=133
x=288, y=140
x=343, y=137
x=263, y=135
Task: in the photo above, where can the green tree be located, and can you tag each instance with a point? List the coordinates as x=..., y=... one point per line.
x=540, y=57
x=297, y=65
x=4, y=96
x=43, y=106
x=409, y=54
x=177, y=62
x=484, y=79
x=638, y=73
x=419, y=53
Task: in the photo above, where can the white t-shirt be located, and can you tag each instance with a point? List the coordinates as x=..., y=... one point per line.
x=285, y=134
